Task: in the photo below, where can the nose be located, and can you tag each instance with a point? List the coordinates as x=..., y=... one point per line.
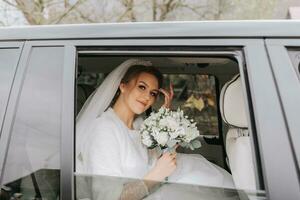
x=147, y=97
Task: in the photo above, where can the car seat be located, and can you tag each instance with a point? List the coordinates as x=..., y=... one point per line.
x=238, y=144
x=83, y=92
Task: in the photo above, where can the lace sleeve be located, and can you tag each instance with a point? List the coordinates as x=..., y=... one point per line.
x=108, y=188
x=135, y=190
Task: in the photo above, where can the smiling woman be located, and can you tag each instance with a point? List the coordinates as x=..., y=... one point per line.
x=138, y=89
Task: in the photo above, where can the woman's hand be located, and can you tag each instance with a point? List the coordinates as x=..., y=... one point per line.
x=163, y=168
x=168, y=96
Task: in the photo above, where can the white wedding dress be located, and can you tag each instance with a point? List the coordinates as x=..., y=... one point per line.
x=111, y=149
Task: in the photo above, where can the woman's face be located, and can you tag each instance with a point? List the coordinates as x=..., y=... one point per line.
x=140, y=92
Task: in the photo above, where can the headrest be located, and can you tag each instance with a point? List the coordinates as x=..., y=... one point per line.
x=232, y=106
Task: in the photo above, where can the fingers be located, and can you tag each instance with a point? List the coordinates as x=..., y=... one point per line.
x=170, y=156
x=168, y=96
x=173, y=155
x=174, y=160
x=171, y=91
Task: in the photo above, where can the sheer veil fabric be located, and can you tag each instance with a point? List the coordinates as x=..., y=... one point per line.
x=98, y=102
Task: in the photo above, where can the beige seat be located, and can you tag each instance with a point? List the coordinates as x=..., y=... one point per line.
x=238, y=144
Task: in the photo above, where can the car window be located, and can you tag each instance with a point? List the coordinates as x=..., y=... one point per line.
x=295, y=58
x=8, y=62
x=197, y=87
x=32, y=166
x=176, y=191
x=294, y=55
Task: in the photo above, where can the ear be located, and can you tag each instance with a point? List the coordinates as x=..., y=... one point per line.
x=122, y=87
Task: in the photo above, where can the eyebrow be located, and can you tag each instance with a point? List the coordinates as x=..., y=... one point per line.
x=148, y=85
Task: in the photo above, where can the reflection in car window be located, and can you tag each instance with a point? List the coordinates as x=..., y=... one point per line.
x=8, y=63
x=172, y=191
x=33, y=160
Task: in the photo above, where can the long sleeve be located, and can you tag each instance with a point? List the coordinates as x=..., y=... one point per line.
x=134, y=190
x=103, y=155
x=102, y=159
x=110, y=155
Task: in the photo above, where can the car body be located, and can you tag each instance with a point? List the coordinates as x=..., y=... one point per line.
x=38, y=74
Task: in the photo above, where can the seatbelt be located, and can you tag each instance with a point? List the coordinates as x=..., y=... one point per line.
x=36, y=187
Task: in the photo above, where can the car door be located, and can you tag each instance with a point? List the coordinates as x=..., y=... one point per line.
x=284, y=57
x=35, y=123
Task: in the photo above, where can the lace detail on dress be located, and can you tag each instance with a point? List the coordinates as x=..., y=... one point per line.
x=134, y=191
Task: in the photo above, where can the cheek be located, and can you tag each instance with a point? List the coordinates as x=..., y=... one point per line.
x=135, y=93
x=152, y=101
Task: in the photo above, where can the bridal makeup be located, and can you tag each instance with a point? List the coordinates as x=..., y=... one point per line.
x=140, y=93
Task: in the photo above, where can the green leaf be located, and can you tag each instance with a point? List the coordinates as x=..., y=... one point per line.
x=196, y=144
x=191, y=147
x=171, y=143
x=184, y=144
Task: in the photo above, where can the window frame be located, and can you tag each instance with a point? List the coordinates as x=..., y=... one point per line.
x=238, y=55
x=278, y=51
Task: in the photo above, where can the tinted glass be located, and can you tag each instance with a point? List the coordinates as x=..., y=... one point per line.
x=112, y=188
x=295, y=58
x=33, y=160
x=294, y=54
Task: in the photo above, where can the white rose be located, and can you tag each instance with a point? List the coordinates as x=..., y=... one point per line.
x=185, y=122
x=177, y=132
x=147, y=141
x=163, y=122
x=172, y=123
x=155, y=132
x=162, y=138
x=190, y=134
x=145, y=133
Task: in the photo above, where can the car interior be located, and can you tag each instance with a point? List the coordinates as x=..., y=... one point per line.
x=207, y=88
x=197, y=83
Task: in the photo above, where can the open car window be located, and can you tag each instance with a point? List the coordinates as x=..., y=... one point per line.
x=197, y=83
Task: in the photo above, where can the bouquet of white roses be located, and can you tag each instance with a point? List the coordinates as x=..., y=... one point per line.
x=166, y=128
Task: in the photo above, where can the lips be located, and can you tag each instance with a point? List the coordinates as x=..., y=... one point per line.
x=142, y=103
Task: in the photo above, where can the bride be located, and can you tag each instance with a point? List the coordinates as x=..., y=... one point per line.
x=109, y=144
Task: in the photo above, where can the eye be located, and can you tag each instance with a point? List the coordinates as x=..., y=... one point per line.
x=142, y=87
x=154, y=94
